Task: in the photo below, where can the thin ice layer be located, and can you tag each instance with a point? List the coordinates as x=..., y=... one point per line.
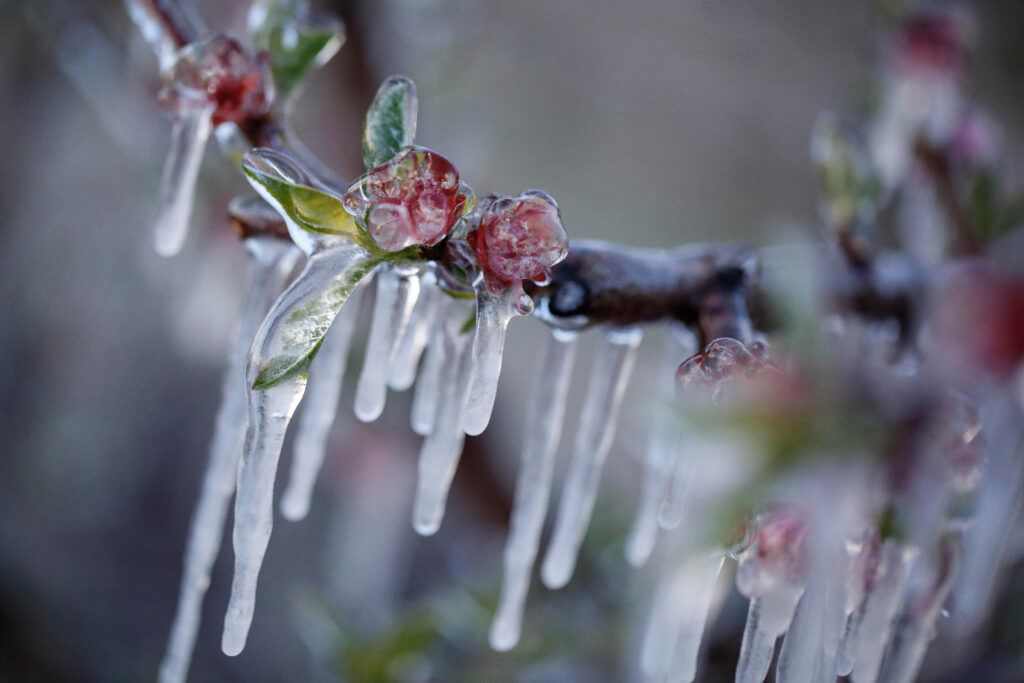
x=612, y=367
x=371, y=392
x=493, y=313
x=768, y=618
x=272, y=262
x=541, y=433
x=178, y=182
x=326, y=379
x=439, y=455
x=303, y=312
x=680, y=611
x=880, y=607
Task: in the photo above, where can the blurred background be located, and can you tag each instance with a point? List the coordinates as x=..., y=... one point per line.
x=652, y=123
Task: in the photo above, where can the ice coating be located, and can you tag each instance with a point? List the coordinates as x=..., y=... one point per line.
x=178, y=182
x=371, y=392
x=272, y=262
x=768, y=617
x=662, y=445
x=493, y=314
x=409, y=289
x=541, y=432
x=414, y=198
x=519, y=238
x=803, y=644
x=881, y=604
x=414, y=337
x=680, y=611
x=612, y=367
x=326, y=378
x=158, y=32
x=332, y=274
x=439, y=455
x=219, y=71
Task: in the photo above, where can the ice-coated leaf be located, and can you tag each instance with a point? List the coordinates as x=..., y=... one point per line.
x=390, y=122
x=284, y=185
x=297, y=40
x=303, y=329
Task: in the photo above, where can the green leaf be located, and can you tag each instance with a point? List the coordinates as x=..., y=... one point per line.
x=290, y=64
x=303, y=329
x=311, y=209
x=390, y=122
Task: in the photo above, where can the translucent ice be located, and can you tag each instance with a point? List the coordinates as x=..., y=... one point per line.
x=428, y=390
x=178, y=182
x=439, y=455
x=680, y=611
x=541, y=432
x=612, y=367
x=272, y=262
x=768, y=618
x=278, y=358
x=880, y=607
x=493, y=314
x=321, y=405
x=661, y=448
x=371, y=392
x=412, y=341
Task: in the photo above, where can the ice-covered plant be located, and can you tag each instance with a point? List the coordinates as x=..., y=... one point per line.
x=863, y=436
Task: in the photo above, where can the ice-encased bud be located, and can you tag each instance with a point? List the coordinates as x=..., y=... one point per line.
x=519, y=238
x=725, y=369
x=219, y=71
x=414, y=198
x=776, y=554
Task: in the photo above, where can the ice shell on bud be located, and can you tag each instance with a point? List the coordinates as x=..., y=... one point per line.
x=776, y=554
x=519, y=238
x=414, y=198
x=219, y=71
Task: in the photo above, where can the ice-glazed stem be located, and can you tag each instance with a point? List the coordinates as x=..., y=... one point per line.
x=918, y=627
x=493, y=313
x=272, y=262
x=681, y=604
x=428, y=390
x=439, y=455
x=410, y=345
x=880, y=607
x=612, y=367
x=178, y=182
x=371, y=392
x=768, y=618
x=326, y=378
x=661, y=448
x=303, y=312
x=541, y=433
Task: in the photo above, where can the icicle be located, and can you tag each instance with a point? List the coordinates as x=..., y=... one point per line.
x=917, y=628
x=802, y=646
x=410, y=345
x=541, y=433
x=318, y=292
x=767, y=619
x=673, y=505
x=439, y=455
x=661, y=449
x=493, y=313
x=612, y=367
x=272, y=262
x=321, y=405
x=178, y=182
x=681, y=604
x=427, y=396
x=880, y=606
x=835, y=613
x=371, y=392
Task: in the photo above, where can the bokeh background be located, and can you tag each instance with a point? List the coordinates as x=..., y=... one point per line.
x=653, y=123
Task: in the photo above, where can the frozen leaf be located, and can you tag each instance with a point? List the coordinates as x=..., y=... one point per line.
x=296, y=39
x=390, y=122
